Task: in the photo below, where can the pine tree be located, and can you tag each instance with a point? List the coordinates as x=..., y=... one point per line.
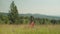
x=13, y=13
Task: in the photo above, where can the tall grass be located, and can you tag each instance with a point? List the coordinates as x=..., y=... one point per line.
x=26, y=29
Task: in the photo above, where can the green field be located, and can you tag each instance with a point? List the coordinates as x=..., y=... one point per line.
x=26, y=29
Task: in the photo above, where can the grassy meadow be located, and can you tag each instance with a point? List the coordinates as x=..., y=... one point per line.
x=26, y=29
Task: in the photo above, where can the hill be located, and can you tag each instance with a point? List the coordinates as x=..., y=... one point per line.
x=41, y=16
x=36, y=16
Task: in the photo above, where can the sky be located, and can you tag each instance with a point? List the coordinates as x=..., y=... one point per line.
x=46, y=7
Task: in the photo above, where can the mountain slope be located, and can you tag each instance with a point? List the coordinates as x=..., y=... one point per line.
x=41, y=16
x=36, y=16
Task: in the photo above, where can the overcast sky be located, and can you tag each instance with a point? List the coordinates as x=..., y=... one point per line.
x=46, y=7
